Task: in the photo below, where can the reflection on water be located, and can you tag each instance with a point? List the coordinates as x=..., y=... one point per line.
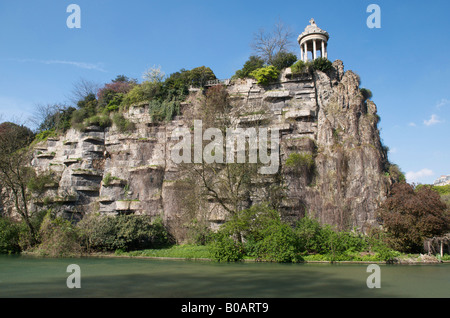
x=122, y=277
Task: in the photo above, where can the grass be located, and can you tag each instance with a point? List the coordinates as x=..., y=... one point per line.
x=186, y=251
x=191, y=251
x=197, y=252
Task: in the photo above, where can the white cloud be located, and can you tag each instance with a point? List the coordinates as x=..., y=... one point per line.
x=85, y=65
x=89, y=66
x=412, y=176
x=412, y=124
x=432, y=121
x=442, y=102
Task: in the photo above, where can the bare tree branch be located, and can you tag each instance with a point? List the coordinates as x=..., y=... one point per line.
x=83, y=88
x=267, y=45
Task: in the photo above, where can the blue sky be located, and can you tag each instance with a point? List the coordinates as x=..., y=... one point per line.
x=404, y=63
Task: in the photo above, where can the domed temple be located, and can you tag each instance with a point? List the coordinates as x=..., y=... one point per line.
x=313, y=39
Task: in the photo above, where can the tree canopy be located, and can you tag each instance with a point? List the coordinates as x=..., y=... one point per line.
x=411, y=215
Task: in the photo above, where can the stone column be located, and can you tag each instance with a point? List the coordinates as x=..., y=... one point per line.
x=305, y=53
x=323, y=49
x=314, y=49
x=301, y=52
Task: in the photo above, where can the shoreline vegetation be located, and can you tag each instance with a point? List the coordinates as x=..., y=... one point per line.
x=189, y=252
x=256, y=234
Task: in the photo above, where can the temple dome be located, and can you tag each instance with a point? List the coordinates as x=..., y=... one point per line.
x=312, y=29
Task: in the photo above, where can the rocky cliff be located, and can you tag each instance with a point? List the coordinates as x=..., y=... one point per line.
x=324, y=120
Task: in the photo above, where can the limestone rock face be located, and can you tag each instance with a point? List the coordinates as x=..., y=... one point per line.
x=320, y=116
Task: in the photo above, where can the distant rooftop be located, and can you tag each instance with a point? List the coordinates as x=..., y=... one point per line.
x=442, y=180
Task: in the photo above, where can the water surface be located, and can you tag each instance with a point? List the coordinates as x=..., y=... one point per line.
x=22, y=276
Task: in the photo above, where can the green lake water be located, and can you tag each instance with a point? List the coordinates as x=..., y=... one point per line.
x=22, y=276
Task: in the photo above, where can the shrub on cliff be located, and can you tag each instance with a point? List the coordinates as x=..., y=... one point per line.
x=122, y=124
x=367, y=93
x=298, y=161
x=100, y=120
x=283, y=60
x=143, y=92
x=111, y=91
x=252, y=64
x=87, y=108
x=300, y=67
x=395, y=173
x=265, y=75
x=322, y=64
x=163, y=110
x=53, y=118
x=176, y=86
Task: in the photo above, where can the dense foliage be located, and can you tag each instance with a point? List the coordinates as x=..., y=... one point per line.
x=279, y=62
x=14, y=137
x=300, y=67
x=15, y=171
x=56, y=120
x=265, y=75
x=111, y=94
x=411, y=215
x=105, y=106
x=60, y=237
x=320, y=64
x=259, y=233
x=283, y=60
x=252, y=64
x=124, y=232
x=9, y=236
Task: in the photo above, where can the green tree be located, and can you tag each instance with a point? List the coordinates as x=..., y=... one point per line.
x=86, y=108
x=53, y=117
x=9, y=236
x=15, y=171
x=252, y=64
x=200, y=75
x=283, y=60
x=261, y=232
